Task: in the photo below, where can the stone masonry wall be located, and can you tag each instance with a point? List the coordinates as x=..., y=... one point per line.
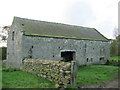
x=14, y=46
x=86, y=51
x=55, y=71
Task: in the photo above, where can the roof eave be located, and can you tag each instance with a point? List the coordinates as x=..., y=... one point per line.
x=63, y=37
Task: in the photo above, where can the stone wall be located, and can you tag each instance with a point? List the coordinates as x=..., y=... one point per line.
x=86, y=51
x=14, y=46
x=55, y=71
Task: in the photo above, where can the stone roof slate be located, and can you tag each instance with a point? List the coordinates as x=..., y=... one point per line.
x=57, y=30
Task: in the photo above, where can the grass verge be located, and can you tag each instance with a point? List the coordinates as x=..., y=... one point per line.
x=96, y=74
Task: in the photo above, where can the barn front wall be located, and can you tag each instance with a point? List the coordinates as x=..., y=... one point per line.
x=83, y=51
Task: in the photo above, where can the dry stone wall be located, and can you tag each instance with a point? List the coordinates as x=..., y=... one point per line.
x=55, y=71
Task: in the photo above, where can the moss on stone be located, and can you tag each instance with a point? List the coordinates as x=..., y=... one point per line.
x=52, y=36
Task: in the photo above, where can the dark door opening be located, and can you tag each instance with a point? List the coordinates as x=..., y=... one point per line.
x=68, y=56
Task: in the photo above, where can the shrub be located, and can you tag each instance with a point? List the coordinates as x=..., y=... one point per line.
x=115, y=61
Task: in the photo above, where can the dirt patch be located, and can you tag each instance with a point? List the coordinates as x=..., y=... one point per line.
x=112, y=84
x=109, y=84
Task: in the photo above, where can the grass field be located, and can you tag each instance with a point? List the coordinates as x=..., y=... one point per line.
x=0, y=77
x=96, y=74
x=13, y=78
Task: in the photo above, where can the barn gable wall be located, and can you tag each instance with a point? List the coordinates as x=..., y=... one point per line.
x=14, y=45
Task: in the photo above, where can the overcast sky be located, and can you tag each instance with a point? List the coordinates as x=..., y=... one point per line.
x=99, y=14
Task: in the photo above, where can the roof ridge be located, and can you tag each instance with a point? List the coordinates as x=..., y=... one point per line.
x=52, y=22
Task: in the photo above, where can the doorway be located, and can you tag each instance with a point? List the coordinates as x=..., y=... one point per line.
x=68, y=56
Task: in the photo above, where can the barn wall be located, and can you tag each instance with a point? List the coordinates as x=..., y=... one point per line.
x=14, y=45
x=50, y=49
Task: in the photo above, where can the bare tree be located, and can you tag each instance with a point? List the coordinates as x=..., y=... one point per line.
x=7, y=28
x=4, y=33
x=4, y=38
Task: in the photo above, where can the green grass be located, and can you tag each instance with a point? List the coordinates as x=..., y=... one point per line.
x=13, y=78
x=0, y=77
x=96, y=74
x=114, y=58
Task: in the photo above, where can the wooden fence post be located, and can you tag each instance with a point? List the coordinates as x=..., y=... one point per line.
x=73, y=73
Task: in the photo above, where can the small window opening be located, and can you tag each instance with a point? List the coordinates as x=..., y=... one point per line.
x=32, y=47
x=85, y=49
x=30, y=52
x=87, y=59
x=91, y=59
x=30, y=56
x=13, y=35
x=101, y=58
x=53, y=56
x=22, y=24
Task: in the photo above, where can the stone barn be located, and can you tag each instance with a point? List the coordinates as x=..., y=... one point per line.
x=54, y=41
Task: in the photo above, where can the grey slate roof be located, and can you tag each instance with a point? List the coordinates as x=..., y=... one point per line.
x=57, y=30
